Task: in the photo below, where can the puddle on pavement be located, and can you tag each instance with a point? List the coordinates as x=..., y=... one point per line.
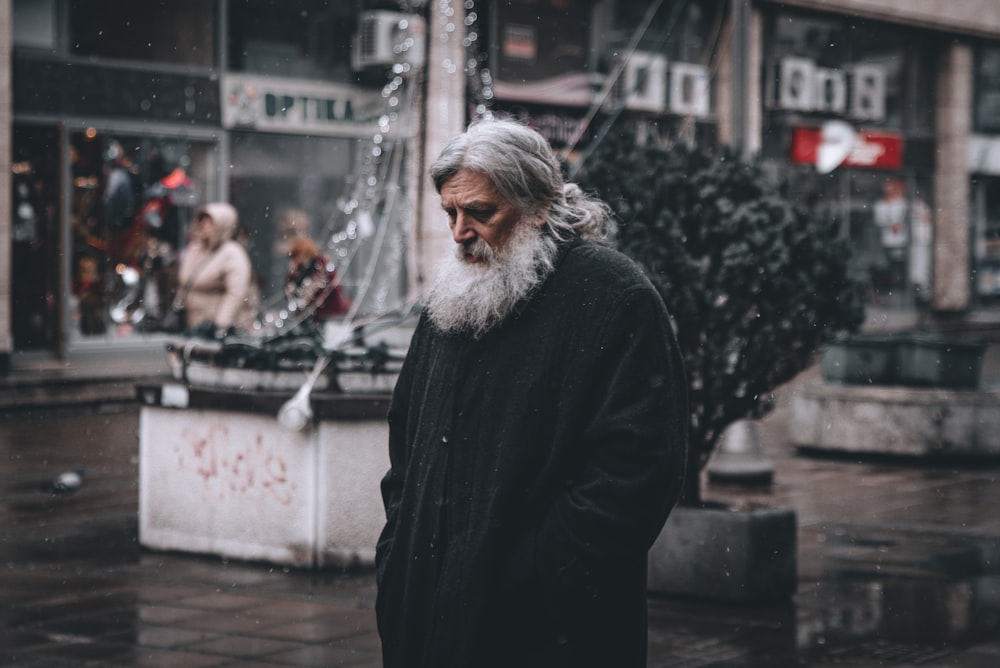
x=899, y=598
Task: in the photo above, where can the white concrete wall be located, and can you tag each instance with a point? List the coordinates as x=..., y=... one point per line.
x=353, y=457
x=235, y=485
x=239, y=485
x=896, y=420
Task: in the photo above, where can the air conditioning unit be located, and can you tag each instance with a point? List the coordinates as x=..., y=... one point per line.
x=831, y=90
x=385, y=38
x=689, y=90
x=868, y=92
x=643, y=85
x=795, y=90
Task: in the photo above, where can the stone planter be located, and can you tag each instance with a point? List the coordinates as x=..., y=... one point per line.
x=860, y=360
x=934, y=362
x=746, y=556
x=912, y=359
x=219, y=475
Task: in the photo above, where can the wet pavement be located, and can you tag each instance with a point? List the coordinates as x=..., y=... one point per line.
x=898, y=562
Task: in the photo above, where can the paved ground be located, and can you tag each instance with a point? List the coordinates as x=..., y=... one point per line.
x=899, y=565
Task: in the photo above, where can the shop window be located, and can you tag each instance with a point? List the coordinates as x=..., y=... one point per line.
x=887, y=217
x=684, y=31
x=284, y=185
x=36, y=23
x=987, y=116
x=308, y=39
x=287, y=185
x=180, y=31
x=131, y=202
x=986, y=210
x=540, y=39
x=868, y=73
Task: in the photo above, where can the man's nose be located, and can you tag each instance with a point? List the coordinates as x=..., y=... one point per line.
x=461, y=231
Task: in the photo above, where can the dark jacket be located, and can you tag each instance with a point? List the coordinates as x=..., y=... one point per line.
x=530, y=472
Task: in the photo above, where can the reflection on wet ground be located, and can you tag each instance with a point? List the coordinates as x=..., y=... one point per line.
x=899, y=564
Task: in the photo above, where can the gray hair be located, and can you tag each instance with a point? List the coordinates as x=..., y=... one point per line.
x=522, y=167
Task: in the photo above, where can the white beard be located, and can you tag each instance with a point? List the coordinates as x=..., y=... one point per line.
x=475, y=297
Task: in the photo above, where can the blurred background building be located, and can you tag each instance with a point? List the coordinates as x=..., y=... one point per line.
x=318, y=116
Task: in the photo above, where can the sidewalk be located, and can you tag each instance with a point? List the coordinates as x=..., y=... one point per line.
x=899, y=562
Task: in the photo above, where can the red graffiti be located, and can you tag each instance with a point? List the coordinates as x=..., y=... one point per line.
x=250, y=470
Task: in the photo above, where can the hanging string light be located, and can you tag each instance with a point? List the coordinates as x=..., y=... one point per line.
x=366, y=213
x=477, y=62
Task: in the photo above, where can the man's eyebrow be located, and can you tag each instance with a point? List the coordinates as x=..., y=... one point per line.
x=481, y=204
x=477, y=204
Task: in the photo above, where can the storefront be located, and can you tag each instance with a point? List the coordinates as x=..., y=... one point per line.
x=849, y=116
x=984, y=167
x=303, y=161
x=561, y=67
x=126, y=116
x=115, y=138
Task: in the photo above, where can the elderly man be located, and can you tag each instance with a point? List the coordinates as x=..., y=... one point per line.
x=537, y=432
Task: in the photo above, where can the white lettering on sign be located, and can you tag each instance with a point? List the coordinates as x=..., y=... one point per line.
x=857, y=92
x=272, y=104
x=304, y=109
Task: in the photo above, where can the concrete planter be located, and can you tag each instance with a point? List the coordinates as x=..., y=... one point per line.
x=931, y=362
x=914, y=360
x=746, y=556
x=219, y=475
x=860, y=359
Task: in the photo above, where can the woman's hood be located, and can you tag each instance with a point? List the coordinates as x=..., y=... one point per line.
x=225, y=218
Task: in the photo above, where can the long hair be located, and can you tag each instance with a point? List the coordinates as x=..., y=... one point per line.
x=523, y=169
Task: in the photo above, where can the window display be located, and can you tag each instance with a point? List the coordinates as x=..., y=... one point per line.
x=986, y=209
x=848, y=107
x=132, y=198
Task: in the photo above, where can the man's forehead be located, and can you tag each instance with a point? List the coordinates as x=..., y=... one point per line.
x=470, y=187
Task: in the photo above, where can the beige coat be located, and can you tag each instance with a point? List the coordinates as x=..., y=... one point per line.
x=217, y=275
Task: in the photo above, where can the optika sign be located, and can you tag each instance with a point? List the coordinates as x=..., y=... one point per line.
x=271, y=104
x=857, y=92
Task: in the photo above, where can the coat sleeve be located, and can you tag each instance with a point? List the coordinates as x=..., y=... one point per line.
x=392, y=482
x=236, y=280
x=634, y=449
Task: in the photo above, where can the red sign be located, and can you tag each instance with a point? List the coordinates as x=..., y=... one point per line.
x=837, y=144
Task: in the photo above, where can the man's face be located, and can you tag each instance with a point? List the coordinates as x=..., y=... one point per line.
x=477, y=214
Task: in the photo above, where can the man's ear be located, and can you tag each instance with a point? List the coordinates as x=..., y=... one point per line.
x=539, y=218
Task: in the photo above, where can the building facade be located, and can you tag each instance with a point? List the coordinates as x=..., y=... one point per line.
x=124, y=117
x=319, y=116
x=881, y=112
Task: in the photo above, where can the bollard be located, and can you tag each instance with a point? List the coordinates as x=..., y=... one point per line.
x=740, y=457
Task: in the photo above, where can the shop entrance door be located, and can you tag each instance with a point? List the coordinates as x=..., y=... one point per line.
x=35, y=239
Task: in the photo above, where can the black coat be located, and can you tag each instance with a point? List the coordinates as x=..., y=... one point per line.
x=530, y=472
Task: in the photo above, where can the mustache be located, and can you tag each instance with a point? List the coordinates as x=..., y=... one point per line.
x=477, y=248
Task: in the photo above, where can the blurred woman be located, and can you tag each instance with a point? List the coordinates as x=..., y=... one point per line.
x=215, y=277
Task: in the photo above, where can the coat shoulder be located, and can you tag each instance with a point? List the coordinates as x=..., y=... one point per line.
x=604, y=268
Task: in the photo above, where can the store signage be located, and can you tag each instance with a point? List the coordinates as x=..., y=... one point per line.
x=857, y=92
x=272, y=104
x=837, y=143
